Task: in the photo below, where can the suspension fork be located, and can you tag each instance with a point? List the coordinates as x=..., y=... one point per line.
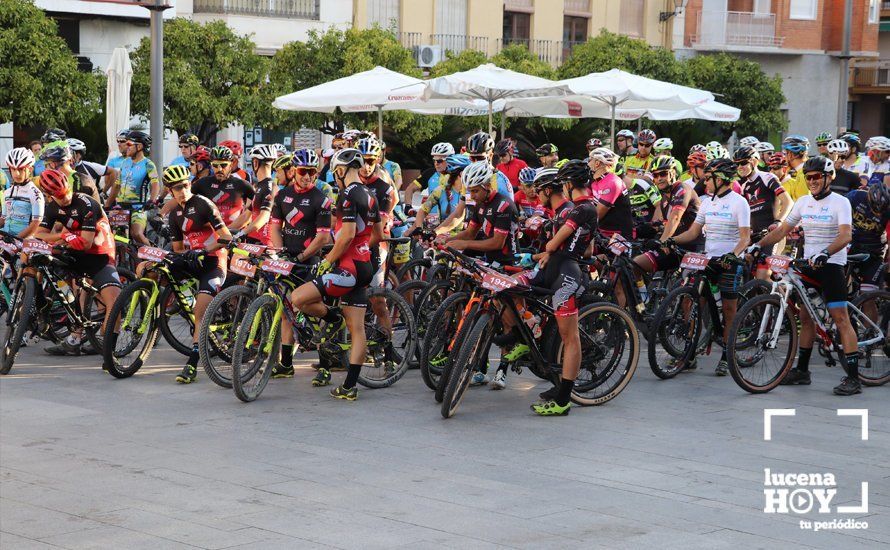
x=147, y=315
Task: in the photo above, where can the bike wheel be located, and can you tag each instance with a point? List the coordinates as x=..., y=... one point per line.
x=874, y=360
x=131, y=326
x=452, y=347
x=217, y=332
x=18, y=320
x=473, y=352
x=176, y=323
x=675, y=331
x=754, y=287
x=411, y=291
x=610, y=351
x=442, y=323
x=94, y=310
x=414, y=270
x=256, y=348
x=756, y=363
x=388, y=352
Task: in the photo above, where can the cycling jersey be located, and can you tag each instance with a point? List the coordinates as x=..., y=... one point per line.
x=868, y=226
x=179, y=161
x=684, y=198
x=498, y=215
x=640, y=163
x=582, y=219
x=302, y=215
x=116, y=162
x=22, y=204
x=527, y=206
x=92, y=169
x=796, y=184
x=760, y=189
x=196, y=224
x=862, y=166
x=443, y=200
x=844, y=181
x=877, y=172
x=820, y=220
x=39, y=166
x=610, y=191
x=135, y=181
x=501, y=184
x=511, y=170
x=384, y=195
x=356, y=205
x=430, y=179
x=262, y=201
x=644, y=198
x=392, y=168
x=83, y=214
x=723, y=216
x=229, y=195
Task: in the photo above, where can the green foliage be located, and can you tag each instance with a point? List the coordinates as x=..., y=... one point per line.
x=41, y=85
x=614, y=51
x=212, y=78
x=336, y=54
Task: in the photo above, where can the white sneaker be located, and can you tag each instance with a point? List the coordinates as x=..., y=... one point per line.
x=500, y=380
x=480, y=379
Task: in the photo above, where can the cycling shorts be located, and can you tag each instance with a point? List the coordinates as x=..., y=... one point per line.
x=99, y=268
x=210, y=278
x=830, y=280
x=562, y=275
x=728, y=279
x=347, y=281
x=871, y=271
x=667, y=261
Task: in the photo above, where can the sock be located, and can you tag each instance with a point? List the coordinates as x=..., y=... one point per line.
x=565, y=392
x=332, y=316
x=193, y=356
x=287, y=355
x=803, y=360
x=852, y=365
x=723, y=355
x=352, y=376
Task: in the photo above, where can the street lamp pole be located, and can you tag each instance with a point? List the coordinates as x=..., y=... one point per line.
x=156, y=97
x=844, y=91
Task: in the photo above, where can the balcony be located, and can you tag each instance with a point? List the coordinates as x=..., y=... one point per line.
x=728, y=30
x=552, y=52
x=300, y=9
x=457, y=43
x=870, y=77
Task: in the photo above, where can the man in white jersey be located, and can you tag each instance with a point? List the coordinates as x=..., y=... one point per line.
x=826, y=219
x=728, y=219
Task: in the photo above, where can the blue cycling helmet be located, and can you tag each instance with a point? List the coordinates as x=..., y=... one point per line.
x=456, y=163
x=796, y=143
x=527, y=175
x=304, y=157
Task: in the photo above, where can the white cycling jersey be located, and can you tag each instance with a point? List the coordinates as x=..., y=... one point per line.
x=821, y=221
x=722, y=217
x=21, y=205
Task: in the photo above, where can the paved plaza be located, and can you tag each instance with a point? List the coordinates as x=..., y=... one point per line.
x=87, y=461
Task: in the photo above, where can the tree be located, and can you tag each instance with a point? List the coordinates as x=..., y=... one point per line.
x=336, y=54
x=212, y=78
x=41, y=84
x=614, y=51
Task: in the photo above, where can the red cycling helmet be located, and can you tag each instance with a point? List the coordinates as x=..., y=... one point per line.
x=54, y=183
x=234, y=146
x=776, y=160
x=202, y=154
x=696, y=159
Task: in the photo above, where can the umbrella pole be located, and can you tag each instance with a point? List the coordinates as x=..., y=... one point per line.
x=490, y=108
x=503, y=123
x=380, y=122
x=612, y=142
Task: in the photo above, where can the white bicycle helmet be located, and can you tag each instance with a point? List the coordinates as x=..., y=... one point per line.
x=442, y=148
x=879, y=143
x=19, y=157
x=76, y=145
x=839, y=146
x=716, y=151
x=764, y=147
x=478, y=174
x=263, y=152
x=350, y=158
x=604, y=155
x=749, y=141
x=280, y=149
x=663, y=144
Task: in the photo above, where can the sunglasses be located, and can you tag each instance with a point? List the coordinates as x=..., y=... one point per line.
x=659, y=174
x=641, y=144
x=369, y=161
x=302, y=170
x=178, y=187
x=219, y=164
x=184, y=145
x=438, y=161
x=814, y=177
x=122, y=141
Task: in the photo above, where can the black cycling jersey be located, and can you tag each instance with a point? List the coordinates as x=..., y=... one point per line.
x=844, y=181
x=498, y=215
x=582, y=219
x=83, y=214
x=680, y=196
x=301, y=215
x=761, y=190
x=384, y=195
x=262, y=201
x=196, y=223
x=228, y=195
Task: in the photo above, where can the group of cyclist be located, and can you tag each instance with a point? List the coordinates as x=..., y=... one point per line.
x=335, y=211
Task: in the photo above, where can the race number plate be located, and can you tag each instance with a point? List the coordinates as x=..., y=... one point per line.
x=534, y=223
x=494, y=281
x=280, y=267
x=779, y=264
x=694, y=261
x=119, y=218
x=432, y=220
x=618, y=245
x=12, y=248
x=34, y=246
x=242, y=266
x=251, y=248
x=151, y=253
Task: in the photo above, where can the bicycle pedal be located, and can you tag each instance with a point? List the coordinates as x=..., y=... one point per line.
x=516, y=368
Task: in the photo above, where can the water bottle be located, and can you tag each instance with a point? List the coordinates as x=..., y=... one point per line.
x=644, y=292
x=817, y=302
x=65, y=291
x=715, y=290
x=533, y=322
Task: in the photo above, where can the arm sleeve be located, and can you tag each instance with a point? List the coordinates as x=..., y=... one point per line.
x=214, y=218
x=347, y=205
x=175, y=227
x=247, y=190
x=793, y=218
x=844, y=213
x=263, y=200
x=277, y=214
x=744, y=213
x=323, y=220
x=151, y=171
x=38, y=205
x=92, y=213
x=504, y=217
x=700, y=216
x=49, y=216
x=423, y=180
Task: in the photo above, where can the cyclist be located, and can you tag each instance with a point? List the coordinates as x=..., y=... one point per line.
x=609, y=192
x=664, y=146
x=715, y=150
x=778, y=166
x=392, y=168
x=548, y=155
x=480, y=146
x=871, y=215
x=445, y=199
x=93, y=170
x=115, y=162
x=137, y=184
x=728, y=219
x=526, y=199
x=844, y=180
x=85, y=233
x=644, y=199
x=879, y=154
x=624, y=144
x=509, y=164
x=237, y=151
x=643, y=158
x=228, y=192
x=301, y=226
x=51, y=135
x=257, y=229
x=767, y=199
x=855, y=161
x=696, y=162
x=826, y=219
x=199, y=235
x=346, y=270
x=822, y=141
x=23, y=203
x=795, y=148
x=57, y=156
x=188, y=144
x=593, y=143
x=431, y=178
x=765, y=149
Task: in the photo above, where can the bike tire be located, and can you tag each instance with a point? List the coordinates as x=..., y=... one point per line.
x=141, y=291
x=215, y=346
x=170, y=313
x=668, y=321
x=742, y=371
x=96, y=335
x=258, y=368
x=18, y=321
x=874, y=365
x=414, y=270
x=375, y=377
x=473, y=350
x=465, y=324
x=442, y=322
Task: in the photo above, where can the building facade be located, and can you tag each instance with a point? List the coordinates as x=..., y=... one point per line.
x=870, y=83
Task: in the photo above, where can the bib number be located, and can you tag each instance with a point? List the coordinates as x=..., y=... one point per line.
x=34, y=246
x=778, y=264
x=151, y=253
x=242, y=266
x=280, y=267
x=693, y=261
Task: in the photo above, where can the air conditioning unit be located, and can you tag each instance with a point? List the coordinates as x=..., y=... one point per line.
x=428, y=55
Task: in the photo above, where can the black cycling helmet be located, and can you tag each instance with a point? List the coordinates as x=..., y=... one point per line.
x=189, y=139
x=575, y=171
x=546, y=149
x=479, y=143
x=53, y=134
x=547, y=178
x=724, y=168
x=879, y=197
x=853, y=140
x=504, y=147
x=745, y=153
x=221, y=152
x=819, y=164
x=664, y=162
x=140, y=137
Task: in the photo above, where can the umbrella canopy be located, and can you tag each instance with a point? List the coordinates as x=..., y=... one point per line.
x=117, y=98
x=577, y=106
x=491, y=83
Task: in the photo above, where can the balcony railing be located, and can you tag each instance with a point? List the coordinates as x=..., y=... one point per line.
x=411, y=40
x=302, y=9
x=737, y=28
x=870, y=74
x=457, y=43
x=553, y=52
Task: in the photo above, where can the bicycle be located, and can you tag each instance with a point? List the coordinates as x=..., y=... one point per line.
x=769, y=323
x=146, y=307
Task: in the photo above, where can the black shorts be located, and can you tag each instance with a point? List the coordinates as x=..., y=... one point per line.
x=670, y=260
x=210, y=278
x=347, y=281
x=871, y=271
x=99, y=268
x=728, y=279
x=830, y=281
x=562, y=275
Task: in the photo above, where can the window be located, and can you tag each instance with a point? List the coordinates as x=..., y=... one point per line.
x=631, y=22
x=763, y=7
x=451, y=17
x=69, y=30
x=384, y=14
x=873, y=12
x=802, y=9
x=574, y=30
x=517, y=27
